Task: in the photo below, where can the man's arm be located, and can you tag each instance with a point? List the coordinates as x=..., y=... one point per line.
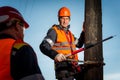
x=81, y=40
x=47, y=43
x=24, y=65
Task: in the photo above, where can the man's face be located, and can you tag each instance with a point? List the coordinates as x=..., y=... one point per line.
x=20, y=28
x=64, y=21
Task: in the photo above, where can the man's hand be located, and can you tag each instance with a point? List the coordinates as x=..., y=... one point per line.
x=60, y=58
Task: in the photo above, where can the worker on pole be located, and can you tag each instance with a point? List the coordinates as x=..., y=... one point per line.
x=18, y=60
x=59, y=42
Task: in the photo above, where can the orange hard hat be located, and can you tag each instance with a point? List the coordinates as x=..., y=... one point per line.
x=7, y=13
x=64, y=11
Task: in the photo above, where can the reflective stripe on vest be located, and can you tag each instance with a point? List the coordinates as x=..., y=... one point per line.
x=64, y=48
x=5, y=50
x=62, y=45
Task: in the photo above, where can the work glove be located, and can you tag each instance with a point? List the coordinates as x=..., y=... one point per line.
x=60, y=58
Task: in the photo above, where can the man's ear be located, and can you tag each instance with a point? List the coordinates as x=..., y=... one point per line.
x=16, y=26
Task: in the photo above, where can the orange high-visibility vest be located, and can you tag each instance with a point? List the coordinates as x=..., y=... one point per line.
x=6, y=46
x=65, y=43
x=5, y=51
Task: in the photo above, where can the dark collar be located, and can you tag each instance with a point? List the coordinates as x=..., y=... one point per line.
x=65, y=29
x=4, y=36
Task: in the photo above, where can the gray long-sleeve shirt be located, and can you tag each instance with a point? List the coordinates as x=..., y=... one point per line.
x=46, y=48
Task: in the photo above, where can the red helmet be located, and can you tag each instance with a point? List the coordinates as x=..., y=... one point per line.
x=7, y=13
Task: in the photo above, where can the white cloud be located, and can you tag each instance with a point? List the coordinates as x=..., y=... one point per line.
x=112, y=76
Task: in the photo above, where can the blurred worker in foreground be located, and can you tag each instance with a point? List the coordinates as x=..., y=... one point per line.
x=59, y=42
x=18, y=60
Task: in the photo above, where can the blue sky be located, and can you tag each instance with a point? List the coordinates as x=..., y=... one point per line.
x=42, y=14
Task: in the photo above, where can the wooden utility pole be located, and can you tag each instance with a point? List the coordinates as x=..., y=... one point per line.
x=93, y=34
